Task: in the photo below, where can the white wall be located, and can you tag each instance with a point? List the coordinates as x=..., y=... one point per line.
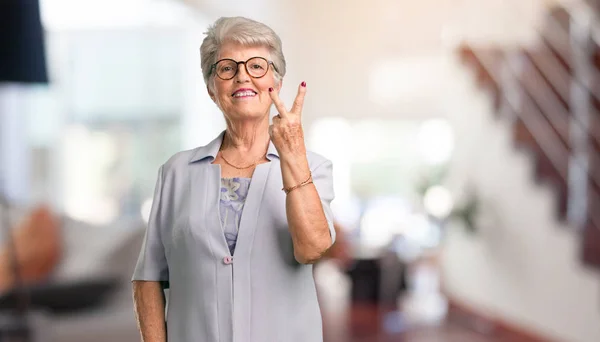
x=523, y=266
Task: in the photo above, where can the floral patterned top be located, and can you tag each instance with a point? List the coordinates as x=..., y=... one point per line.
x=231, y=204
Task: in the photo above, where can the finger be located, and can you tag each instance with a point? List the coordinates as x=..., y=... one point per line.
x=278, y=103
x=299, y=101
x=276, y=121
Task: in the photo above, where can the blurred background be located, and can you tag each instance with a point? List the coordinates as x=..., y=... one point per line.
x=465, y=137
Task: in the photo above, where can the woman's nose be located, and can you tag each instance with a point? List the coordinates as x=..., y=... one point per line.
x=242, y=76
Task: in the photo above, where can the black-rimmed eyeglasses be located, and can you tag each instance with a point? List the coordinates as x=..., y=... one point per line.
x=256, y=67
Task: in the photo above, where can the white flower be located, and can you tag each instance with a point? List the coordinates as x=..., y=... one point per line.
x=231, y=186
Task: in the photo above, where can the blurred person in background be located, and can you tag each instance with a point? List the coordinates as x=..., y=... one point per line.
x=236, y=225
x=36, y=245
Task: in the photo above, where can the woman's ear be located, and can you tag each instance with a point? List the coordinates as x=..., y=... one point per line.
x=211, y=94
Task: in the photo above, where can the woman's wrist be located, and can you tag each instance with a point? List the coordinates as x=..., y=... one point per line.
x=294, y=169
x=307, y=181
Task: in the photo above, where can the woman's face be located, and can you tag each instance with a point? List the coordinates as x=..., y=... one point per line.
x=243, y=97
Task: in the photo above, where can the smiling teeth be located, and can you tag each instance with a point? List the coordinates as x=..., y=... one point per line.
x=244, y=93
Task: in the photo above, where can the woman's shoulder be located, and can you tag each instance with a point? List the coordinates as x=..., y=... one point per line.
x=316, y=159
x=182, y=159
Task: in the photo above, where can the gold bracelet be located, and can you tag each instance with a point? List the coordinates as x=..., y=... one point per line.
x=307, y=181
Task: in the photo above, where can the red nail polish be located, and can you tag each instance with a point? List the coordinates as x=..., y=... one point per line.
x=270, y=90
x=303, y=84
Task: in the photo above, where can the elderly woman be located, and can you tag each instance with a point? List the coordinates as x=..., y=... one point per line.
x=236, y=225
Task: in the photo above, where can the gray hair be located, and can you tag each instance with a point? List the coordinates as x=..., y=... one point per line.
x=245, y=32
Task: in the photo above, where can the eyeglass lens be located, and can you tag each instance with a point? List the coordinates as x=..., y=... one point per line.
x=255, y=67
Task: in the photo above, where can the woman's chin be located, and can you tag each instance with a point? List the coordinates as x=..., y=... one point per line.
x=249, y=114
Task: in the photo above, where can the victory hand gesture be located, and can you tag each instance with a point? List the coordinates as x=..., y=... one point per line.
x=286, y=131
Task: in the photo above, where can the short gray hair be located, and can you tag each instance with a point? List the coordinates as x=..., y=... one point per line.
x=244, y=31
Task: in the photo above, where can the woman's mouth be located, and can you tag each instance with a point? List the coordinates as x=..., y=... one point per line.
x=244, y=93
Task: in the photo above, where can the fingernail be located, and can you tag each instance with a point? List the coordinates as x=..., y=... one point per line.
x=303, y=84
x=270, y=90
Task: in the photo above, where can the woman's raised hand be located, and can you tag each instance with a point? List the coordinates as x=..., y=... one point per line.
x=286, y=131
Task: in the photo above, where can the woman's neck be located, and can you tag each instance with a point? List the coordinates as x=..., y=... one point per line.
x=247, y=137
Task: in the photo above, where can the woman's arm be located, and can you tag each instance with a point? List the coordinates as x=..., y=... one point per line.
x=307, y=222
x=309, y=227
x=152, y=271
x=149, y=306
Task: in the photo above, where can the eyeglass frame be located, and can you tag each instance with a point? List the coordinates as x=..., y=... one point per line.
x=237, y=64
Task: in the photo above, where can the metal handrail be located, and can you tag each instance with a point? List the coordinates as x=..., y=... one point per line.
x=556, y=74
x=552, y=108
x=559, y=77
x=546, y=100
x=552, y=41
x=541, y=131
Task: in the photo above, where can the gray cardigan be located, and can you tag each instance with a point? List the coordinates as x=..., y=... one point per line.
x=260, y=294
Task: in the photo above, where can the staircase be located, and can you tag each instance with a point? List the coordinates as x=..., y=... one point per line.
x=550, y=94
